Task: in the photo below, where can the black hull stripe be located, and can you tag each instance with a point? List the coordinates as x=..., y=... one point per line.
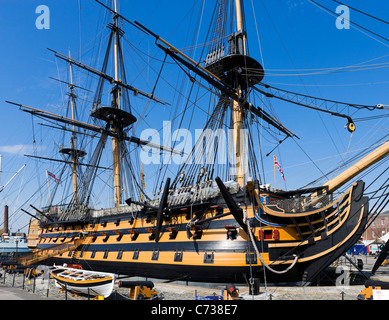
x=188, y=246
x=217, y=224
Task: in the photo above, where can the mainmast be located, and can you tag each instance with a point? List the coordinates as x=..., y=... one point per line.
x=235, y=72
x=117, y=116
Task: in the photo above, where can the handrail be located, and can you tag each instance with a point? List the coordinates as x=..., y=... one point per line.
x=296, y=215
x=47, y=253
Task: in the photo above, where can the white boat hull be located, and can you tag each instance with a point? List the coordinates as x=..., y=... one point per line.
x=84, y=282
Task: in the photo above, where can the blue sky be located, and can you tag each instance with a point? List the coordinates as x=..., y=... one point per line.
x=293, y=35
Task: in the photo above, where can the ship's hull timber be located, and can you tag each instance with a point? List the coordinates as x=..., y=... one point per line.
x=216, y=249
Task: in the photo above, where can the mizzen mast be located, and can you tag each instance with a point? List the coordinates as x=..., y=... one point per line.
x=74, y=136
x=73, y=151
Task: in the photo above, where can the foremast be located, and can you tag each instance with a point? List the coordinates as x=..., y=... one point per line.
x=237, y=110
x=116, y=98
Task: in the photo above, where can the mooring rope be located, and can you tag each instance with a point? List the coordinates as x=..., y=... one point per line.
x=247, y=221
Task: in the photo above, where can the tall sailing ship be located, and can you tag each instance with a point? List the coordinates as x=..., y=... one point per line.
x=209, y=221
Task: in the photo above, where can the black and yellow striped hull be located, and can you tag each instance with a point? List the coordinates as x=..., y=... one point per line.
x=217, y=249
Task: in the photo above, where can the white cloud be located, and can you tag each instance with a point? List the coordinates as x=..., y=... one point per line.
x=20, y=149
x=291, y=4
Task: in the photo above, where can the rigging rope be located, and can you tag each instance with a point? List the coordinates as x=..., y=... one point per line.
x=301, y=96
x=369, y=15
x=336, y=15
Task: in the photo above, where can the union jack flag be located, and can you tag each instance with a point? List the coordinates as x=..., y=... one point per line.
x=279, y=167
x=53, y=176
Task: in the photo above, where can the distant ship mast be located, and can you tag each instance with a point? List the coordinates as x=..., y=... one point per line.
x=9, y=181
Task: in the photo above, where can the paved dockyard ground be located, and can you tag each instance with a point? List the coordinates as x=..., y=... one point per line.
x=17, y=287
x=12, y=289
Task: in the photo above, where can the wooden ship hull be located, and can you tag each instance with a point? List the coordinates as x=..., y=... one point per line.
x=215, y=248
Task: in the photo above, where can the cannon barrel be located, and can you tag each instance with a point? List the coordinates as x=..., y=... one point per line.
x=130, y=284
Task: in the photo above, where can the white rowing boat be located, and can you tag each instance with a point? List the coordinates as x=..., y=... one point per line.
x=83, y=281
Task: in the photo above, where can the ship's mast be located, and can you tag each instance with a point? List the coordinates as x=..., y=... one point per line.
x=237, y=111
x=239, y=23
x=116, y=97
x=74, y=136
x=73, y=152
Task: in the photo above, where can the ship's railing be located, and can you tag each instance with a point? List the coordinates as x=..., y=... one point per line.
x=300, y=204
x=116, y=210
x=193, y=194
x=44, y=254
x=199, y=192
x=76, y=213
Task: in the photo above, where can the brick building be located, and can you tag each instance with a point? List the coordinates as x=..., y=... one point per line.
x=378, y=228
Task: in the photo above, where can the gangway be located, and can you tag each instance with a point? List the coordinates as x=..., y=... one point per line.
x=39, y=255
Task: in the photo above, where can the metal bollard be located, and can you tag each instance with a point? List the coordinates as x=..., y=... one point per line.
x=254, y=286
x=48, y=287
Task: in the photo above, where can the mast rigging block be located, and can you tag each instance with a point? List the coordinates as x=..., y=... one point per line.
x=115, y=29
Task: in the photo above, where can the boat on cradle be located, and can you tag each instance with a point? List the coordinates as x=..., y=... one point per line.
x=83, y=281
x=206, y=222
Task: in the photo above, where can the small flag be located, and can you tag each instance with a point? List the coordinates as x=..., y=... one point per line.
x=53, y=176
x=279, y=167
